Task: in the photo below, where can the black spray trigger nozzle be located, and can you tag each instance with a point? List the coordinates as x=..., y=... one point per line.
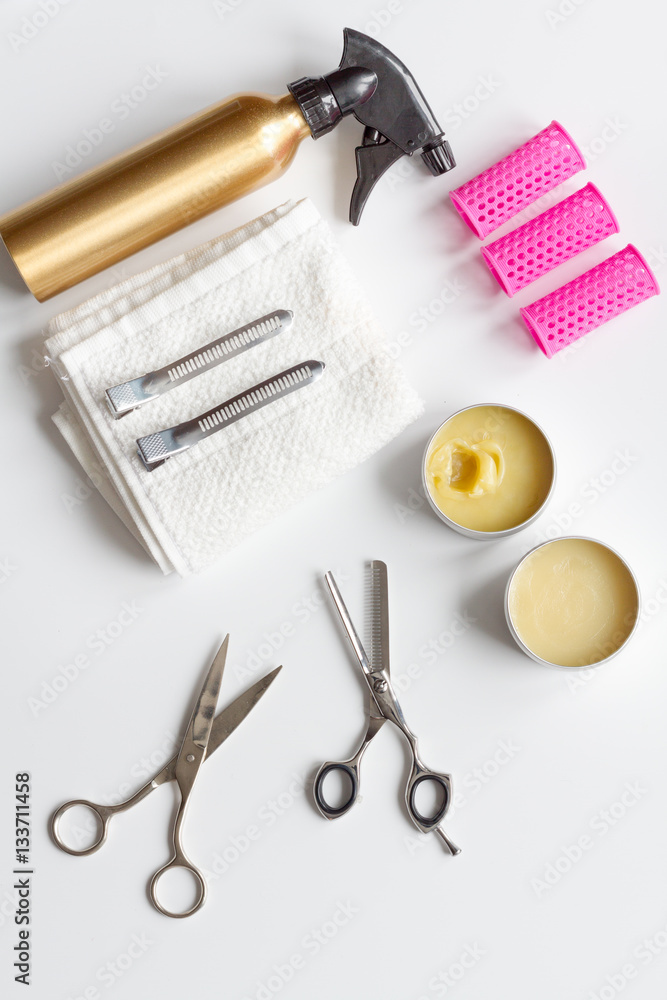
x=378, y=89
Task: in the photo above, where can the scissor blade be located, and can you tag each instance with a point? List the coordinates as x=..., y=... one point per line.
x=226, y=722
x=348, y=625
x=380, y=616
x=379, y=687
x=201, y=722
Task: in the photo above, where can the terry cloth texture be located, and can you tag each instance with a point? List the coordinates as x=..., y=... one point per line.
x=204, y=501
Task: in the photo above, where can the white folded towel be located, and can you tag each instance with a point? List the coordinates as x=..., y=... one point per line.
x=206, y=500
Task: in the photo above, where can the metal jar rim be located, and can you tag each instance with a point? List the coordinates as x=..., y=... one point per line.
x=517, y=638
x=473, y=532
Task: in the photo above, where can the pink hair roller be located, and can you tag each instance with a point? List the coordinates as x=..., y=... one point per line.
x=574, y=224
x=499, y=193
x=617, y=284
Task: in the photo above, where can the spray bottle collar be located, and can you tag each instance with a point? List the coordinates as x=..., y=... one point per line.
x=324, y=100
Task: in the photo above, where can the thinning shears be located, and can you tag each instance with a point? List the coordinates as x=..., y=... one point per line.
x=383, y=706
x=205, y=733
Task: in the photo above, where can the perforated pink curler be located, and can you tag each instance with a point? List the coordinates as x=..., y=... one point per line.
x=617, y=284
x=577, y=222
x=497, y=194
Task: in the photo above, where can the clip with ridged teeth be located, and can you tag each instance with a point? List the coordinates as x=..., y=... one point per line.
x=127, y=396
x=155, y=449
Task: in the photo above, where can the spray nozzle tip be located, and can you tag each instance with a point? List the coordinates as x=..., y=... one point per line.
x=438, y=156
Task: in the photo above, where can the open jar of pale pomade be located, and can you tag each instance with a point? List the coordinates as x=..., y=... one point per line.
x=572, y=602
x=488, y=471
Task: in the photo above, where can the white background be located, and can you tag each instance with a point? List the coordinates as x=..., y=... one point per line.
x=70, y=567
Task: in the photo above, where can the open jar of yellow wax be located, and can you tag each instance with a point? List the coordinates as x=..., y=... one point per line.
x=488, y=471
x=572, y=602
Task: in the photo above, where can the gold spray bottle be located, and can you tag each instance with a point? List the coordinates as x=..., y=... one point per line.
x=216, y=156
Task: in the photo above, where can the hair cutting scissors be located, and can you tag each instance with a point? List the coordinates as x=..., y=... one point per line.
x=384, y=706
x=203, y=736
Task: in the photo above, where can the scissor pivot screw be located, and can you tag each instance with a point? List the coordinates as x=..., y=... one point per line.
x=379, y=685
x=190, y=757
